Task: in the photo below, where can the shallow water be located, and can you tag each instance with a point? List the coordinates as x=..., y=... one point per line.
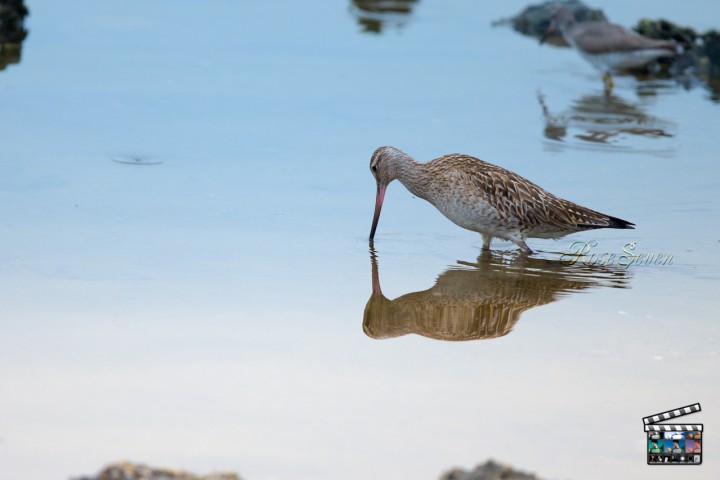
x=185, y=203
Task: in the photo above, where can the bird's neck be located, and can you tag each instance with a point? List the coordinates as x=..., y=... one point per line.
x=412, y=175
x=566, y=27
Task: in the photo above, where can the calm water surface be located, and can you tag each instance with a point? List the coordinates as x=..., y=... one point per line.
x=186, y=278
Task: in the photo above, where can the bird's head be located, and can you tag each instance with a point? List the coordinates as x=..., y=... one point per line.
x=385, y=165
x=560, y=21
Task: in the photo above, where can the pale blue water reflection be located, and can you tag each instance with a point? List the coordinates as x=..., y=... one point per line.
x=206, y=312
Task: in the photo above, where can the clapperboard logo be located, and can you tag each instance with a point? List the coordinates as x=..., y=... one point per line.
x=673, y=443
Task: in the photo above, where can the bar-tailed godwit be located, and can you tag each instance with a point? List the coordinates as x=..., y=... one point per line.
x=484, y=198
x=607, y=46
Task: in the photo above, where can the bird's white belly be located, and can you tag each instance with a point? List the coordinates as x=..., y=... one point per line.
x=614, y=61
x=474, y=213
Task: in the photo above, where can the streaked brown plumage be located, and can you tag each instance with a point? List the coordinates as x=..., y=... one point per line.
x=484, y=198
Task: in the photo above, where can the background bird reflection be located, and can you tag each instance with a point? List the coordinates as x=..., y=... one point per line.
x=376, y=15
x=600, y=119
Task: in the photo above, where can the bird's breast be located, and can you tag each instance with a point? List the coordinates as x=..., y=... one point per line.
x=473, y=212
x=626, y=60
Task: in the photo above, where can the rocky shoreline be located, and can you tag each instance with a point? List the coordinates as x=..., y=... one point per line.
x=139, y=471
x=490, y=470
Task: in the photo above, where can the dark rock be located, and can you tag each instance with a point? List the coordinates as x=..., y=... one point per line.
x=490, y=470
x=12, y=16
x=136, y=471
x=665, y=30
x=535, y=19
x=711, y=42
x=701, y=51
x=12, y=30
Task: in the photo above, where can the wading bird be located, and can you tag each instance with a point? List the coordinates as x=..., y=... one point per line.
x=607, y=46
x=484, y=198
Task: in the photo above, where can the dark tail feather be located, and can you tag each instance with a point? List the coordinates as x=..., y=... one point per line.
x=613, y=222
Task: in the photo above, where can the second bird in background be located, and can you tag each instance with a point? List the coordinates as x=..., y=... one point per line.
x=607, y=46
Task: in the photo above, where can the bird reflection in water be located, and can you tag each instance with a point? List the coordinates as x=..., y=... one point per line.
x=480, y=300
x=603, y=119
x=375, y=15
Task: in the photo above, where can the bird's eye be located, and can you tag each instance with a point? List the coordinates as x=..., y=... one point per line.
x=374, y=168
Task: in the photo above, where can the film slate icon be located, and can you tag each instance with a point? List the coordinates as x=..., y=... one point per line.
x=673, y=443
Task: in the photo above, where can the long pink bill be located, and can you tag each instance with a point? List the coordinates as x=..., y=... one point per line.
x=378, y=206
